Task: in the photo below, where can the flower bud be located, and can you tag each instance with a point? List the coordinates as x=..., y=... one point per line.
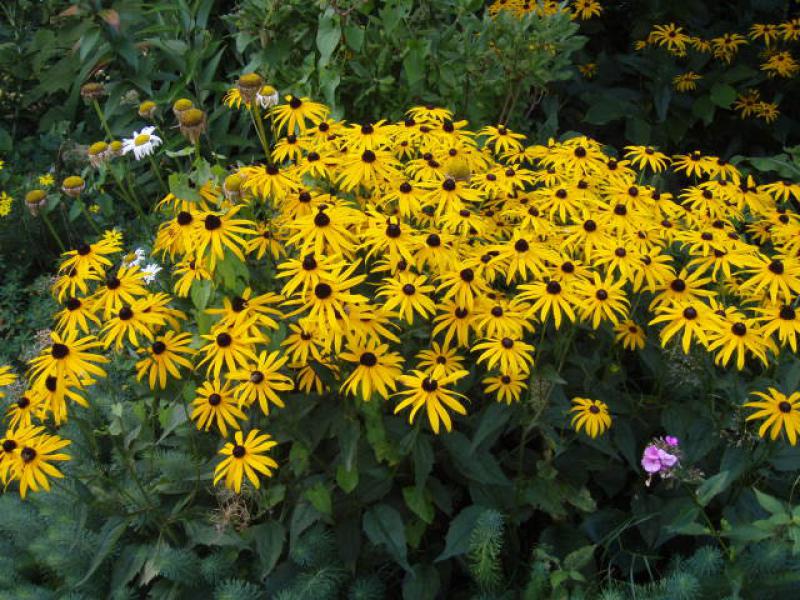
x=181, y=105
x=92, y=91
x=98, y=153
x=147, y=109
x=73, y=186
x=35, y=200
x=248, y=86
x=192, y=124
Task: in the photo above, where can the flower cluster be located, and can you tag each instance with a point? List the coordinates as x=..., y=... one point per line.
x=661, y=457
x=777, y=60
x=576, y=9
x=311, y=273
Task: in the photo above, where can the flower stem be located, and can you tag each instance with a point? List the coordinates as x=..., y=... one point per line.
x=102, y=118
x=132, y=201
x=89, y=218
x=157, y=171
x=47, y=222
x=255, y=112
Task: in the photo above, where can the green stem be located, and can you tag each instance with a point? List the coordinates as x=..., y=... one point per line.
x=89, y=217
x=102, y=118
x=255, y=112
x=132, y=201
x=157, y=171
x=47, y=222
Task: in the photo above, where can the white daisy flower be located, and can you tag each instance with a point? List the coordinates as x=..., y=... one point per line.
x=135, y=258
x=150, y=272
x=267, y=96
x=143, y=143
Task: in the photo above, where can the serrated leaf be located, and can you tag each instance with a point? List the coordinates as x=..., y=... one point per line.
x=458, y=535
x=384, y=527
x=106, y=542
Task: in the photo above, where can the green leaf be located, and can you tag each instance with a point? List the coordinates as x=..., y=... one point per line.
x=458, y=535
x=723, y=95
x=575, y=561
x=346, y=478
x=200, y=292
x=106, y=542
x=384, y=527
x=421, y=583
x=493, y=420
x=703, y=108
x=419, y=503
x=414, y=62
x=770, y=503
x=354, y=36
x=269, y=538
x=713, y=486
x=329, y=33
x=320, y=497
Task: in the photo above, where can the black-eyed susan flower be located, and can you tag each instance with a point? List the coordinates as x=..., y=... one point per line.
x=245, y=456
x=693, y=320
x=630, y=334
x=165, y=355
x=552, y=297
x=430, y=392
x=643, y=157
x=261, y=380
x=22, y=411
x=740, y=336
x=221, y=231
x=31, y=465
x=512, y=356
x=297, y=113
x=591, y=416
x=187, y=272
x=7, y=377
x=440, y=359
x=131, y=321
x=778, y=278
x=506, y=387
x=783, y=319
x=68, y=356
x=377, y=370
x=780, y=414
x=232, y=347
x=601, y=300
x=325, y=303
x=455, y=321
x=124, y=286
x=409, y=295
x=215, y=404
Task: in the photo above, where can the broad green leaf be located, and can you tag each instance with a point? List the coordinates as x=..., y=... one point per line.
x=575, y=561
x=420, y=504
x=329, y=32
x=320, y=497
x=770, y=503
x=384, y=527
x=269, y=538
x=421, y=583
x=346, y=478
x=461, y=527
x=200, y=293
x=723, y=95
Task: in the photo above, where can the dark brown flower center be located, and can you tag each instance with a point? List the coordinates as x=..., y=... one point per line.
x=323, y=291
x=215, y=399
x=368, y=359
x=59, y=351
x=224, y=340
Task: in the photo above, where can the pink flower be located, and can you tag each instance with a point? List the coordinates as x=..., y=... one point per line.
x=651, y=459
x=667, y=459
x=671, y=440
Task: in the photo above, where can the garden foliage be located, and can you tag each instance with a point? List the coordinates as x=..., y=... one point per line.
x=298, y=310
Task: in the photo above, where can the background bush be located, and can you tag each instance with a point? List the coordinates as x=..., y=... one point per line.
x=345, y=516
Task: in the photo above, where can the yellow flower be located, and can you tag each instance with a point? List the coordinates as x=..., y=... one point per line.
x=261, y=380
x=215, y=403
x=164, y=356
x=780, y=413
x=246, y=456
x=430, y=392
x=5, y=204
x=31, y=465
x=377, y=370
x=590, y=416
